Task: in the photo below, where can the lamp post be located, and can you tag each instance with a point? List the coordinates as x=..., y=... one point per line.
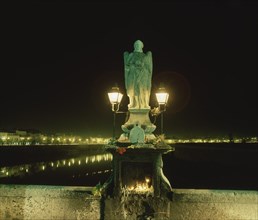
x=162, y=98
x=115, y=98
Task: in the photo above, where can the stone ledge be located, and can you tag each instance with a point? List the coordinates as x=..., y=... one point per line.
x=44, y=190
x=64, y=202
x=217, y=196
x=48, y=202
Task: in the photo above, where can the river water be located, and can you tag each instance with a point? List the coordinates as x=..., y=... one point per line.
x=209, y=166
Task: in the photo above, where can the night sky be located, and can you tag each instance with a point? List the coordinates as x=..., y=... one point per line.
x=60, y=60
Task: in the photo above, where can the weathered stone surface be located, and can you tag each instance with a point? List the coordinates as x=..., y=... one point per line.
x=189, y=204
x=48, y=202
x=57, y=202
x=137, y=206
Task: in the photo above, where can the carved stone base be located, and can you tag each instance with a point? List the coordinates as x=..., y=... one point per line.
x=141, y=117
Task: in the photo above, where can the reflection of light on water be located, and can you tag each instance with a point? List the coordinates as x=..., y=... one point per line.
x=98, y=172
x=99, y=158
x=43, y=166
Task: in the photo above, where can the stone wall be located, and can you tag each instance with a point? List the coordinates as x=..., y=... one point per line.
x=58, y=202
x=192, y=204
x=48, y=202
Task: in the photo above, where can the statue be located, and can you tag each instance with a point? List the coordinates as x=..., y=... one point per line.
x=138, y=74
x=138, y=77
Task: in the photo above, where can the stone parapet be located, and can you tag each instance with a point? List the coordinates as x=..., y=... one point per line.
x=191, y=204
x=64, y=202
x=48, y=202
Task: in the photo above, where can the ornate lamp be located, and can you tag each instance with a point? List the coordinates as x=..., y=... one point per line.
x=162, y=98
x=115, y=98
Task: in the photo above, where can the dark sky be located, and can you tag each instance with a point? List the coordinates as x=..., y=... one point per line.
x=60, y=60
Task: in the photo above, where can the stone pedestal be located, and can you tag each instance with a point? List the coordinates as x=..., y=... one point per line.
x=141, y=117
x=131, y=166
x=145, y=160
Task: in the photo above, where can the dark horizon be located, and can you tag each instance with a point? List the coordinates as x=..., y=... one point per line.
x=61, y=60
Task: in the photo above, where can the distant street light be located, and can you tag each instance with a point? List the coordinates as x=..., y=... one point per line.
x=115, y=98
x=162, y=98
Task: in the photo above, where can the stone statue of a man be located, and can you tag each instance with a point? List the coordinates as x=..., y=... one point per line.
x=138, y=74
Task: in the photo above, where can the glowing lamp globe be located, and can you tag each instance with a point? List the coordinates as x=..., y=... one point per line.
x=162, y=96
x=115, y=96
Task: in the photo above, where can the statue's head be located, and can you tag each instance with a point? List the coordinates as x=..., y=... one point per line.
x=138, y=45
